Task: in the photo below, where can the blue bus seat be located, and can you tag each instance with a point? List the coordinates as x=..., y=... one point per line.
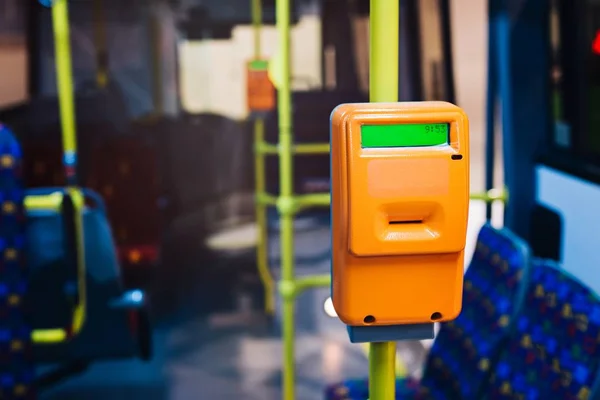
x=595, y=391
x=465, y=349
x=553, y=352
x=112, y=327
x=16, y=368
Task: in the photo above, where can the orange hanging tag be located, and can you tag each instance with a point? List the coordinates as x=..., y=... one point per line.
x=260, y=89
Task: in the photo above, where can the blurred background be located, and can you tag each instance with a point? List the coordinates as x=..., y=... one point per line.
x=167, y=141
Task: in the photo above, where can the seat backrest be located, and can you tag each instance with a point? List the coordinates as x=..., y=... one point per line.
x=553, y=352
x=465, y=348
x=53, y=263
x=16, y=370
x=43, y=164
x=52, y=258
x=125, y=171
x=595, y=394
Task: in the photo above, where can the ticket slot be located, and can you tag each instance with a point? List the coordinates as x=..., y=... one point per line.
x=408, y=226
x=406, y=222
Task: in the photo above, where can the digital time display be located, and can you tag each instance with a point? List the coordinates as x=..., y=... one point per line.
x=404, y=135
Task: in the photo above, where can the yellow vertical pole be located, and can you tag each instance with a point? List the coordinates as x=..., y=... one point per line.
x=383, y=81
x=259, y=177
x=66, y=100
x=286, y=201
x=64, y=81
x=384, y=30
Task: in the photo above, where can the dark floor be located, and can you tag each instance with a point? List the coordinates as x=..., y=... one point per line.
x=220, y=346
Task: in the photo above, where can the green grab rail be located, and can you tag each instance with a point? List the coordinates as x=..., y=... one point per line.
x=262, y=199
x=266, y=199
x=324, y=199
x=491, y=196
x=383, y=87
x=100, y=40
x=285, y=203
x=311, y=148
x=53, y=202
x=301, y=148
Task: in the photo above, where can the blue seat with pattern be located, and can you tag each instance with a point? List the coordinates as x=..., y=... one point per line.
x=466, y=348
x=16, y=369
x=554, y=351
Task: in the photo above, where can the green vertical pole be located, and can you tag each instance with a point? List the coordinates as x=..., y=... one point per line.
x=256, y=25
x=64, y=80
x=259, y=178
x=100, y=43
x=384, y=29
x=156, y=59
x=383, y=80
x=382, y=371
x=285, y=203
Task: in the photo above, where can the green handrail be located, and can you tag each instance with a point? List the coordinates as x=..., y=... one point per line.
x=304, y=148
x=491, y=195
x=285, y=203
x=53, y=202
x=324, y=199
x=288, y=204
x=102, y=69
x=262, y=199
x=383, y=87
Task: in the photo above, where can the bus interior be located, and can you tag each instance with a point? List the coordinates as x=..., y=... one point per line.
x=141, y=234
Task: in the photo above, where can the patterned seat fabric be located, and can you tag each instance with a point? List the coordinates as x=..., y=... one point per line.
x=16, y=371
x=554, y=352
x=465, y=349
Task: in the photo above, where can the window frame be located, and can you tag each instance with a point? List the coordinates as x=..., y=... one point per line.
x=573, y=92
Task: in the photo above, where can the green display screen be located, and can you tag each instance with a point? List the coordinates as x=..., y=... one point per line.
x=404, y=135
x=259, y=65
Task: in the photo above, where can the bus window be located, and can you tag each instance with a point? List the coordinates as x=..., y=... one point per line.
x=562, y=132
x=13, y=52
x=593, y=74
x=575, y=86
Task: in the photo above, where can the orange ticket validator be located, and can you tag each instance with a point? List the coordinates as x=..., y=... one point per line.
x=260, y=90
x=400, y=200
